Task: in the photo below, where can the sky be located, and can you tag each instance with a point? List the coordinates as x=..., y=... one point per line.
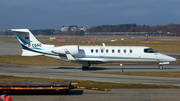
x=47, y=14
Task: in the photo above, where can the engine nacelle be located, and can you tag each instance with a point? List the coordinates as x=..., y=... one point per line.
x=73, y=49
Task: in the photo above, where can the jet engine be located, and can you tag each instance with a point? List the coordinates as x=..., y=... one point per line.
x=72, y=49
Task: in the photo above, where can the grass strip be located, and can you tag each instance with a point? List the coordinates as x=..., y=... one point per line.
x=87, y=83
x=170, y=46
x=33, y=60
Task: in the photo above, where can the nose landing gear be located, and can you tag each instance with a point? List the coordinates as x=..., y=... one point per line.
x=160, y=67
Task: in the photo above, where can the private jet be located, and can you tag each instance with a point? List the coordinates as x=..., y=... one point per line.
x=87, y=55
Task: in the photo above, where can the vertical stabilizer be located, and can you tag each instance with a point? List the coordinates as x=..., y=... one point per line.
x=25, y=37
x=31, y=46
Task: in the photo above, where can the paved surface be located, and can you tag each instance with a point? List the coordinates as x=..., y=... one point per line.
x=75, y=72
x=10, y=48
x=114, y=95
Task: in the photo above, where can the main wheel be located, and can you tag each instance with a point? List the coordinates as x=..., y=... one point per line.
x=160, y=67
x=85, y=68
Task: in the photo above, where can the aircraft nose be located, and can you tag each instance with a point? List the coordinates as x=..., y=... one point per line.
x=173, y=59
x=170, y=59
x=167, y=58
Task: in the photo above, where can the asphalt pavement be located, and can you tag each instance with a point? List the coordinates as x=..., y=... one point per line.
x=113, y=95
x=75, y=72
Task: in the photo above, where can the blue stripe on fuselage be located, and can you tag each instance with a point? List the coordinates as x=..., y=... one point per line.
x=42, y=49
x=95, y=56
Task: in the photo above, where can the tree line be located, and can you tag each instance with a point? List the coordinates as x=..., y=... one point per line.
x=35, y=32
x=49, y=32
x=171, y=28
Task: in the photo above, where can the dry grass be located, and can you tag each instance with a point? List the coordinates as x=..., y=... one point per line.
x=33, y=60
x=87, y=83
x=161, y=46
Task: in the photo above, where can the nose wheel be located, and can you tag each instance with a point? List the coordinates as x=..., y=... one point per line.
x=160, y=67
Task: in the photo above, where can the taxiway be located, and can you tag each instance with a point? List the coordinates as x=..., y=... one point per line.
x=75, y=72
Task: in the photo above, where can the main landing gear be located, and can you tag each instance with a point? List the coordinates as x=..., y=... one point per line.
x=160, y=67
x=85, y=65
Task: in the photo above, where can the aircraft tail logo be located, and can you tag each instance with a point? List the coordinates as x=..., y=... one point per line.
x=30, y=44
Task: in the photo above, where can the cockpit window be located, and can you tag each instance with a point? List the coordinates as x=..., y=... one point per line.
x=149, y=50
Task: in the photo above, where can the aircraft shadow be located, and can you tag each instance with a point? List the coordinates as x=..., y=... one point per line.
x=91, y=68
x=97, y=68
x=147, y=68
x=94, y=68
x=66, y=68
x=120, y=69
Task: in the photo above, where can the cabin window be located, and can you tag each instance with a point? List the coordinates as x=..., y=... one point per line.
x=107, y=50
x=130, y=51
x=124, y=51
x=92, y=50
x=96, y=50
x=119, y=51
x=149, y=50
x=102, y=50
x=113, y=51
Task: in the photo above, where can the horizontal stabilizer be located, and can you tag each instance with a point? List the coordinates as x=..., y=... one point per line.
x=29, y=53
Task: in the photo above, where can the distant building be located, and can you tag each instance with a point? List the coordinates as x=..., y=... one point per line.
x=64, y=29
x=159, y=31
x=69, y=27
x=74, y=29
x=83, y=28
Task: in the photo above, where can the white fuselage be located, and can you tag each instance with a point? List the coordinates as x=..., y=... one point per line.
x=120, y=54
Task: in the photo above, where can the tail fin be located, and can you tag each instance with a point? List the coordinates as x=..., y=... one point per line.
x=25, y=37
x=31, y=46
